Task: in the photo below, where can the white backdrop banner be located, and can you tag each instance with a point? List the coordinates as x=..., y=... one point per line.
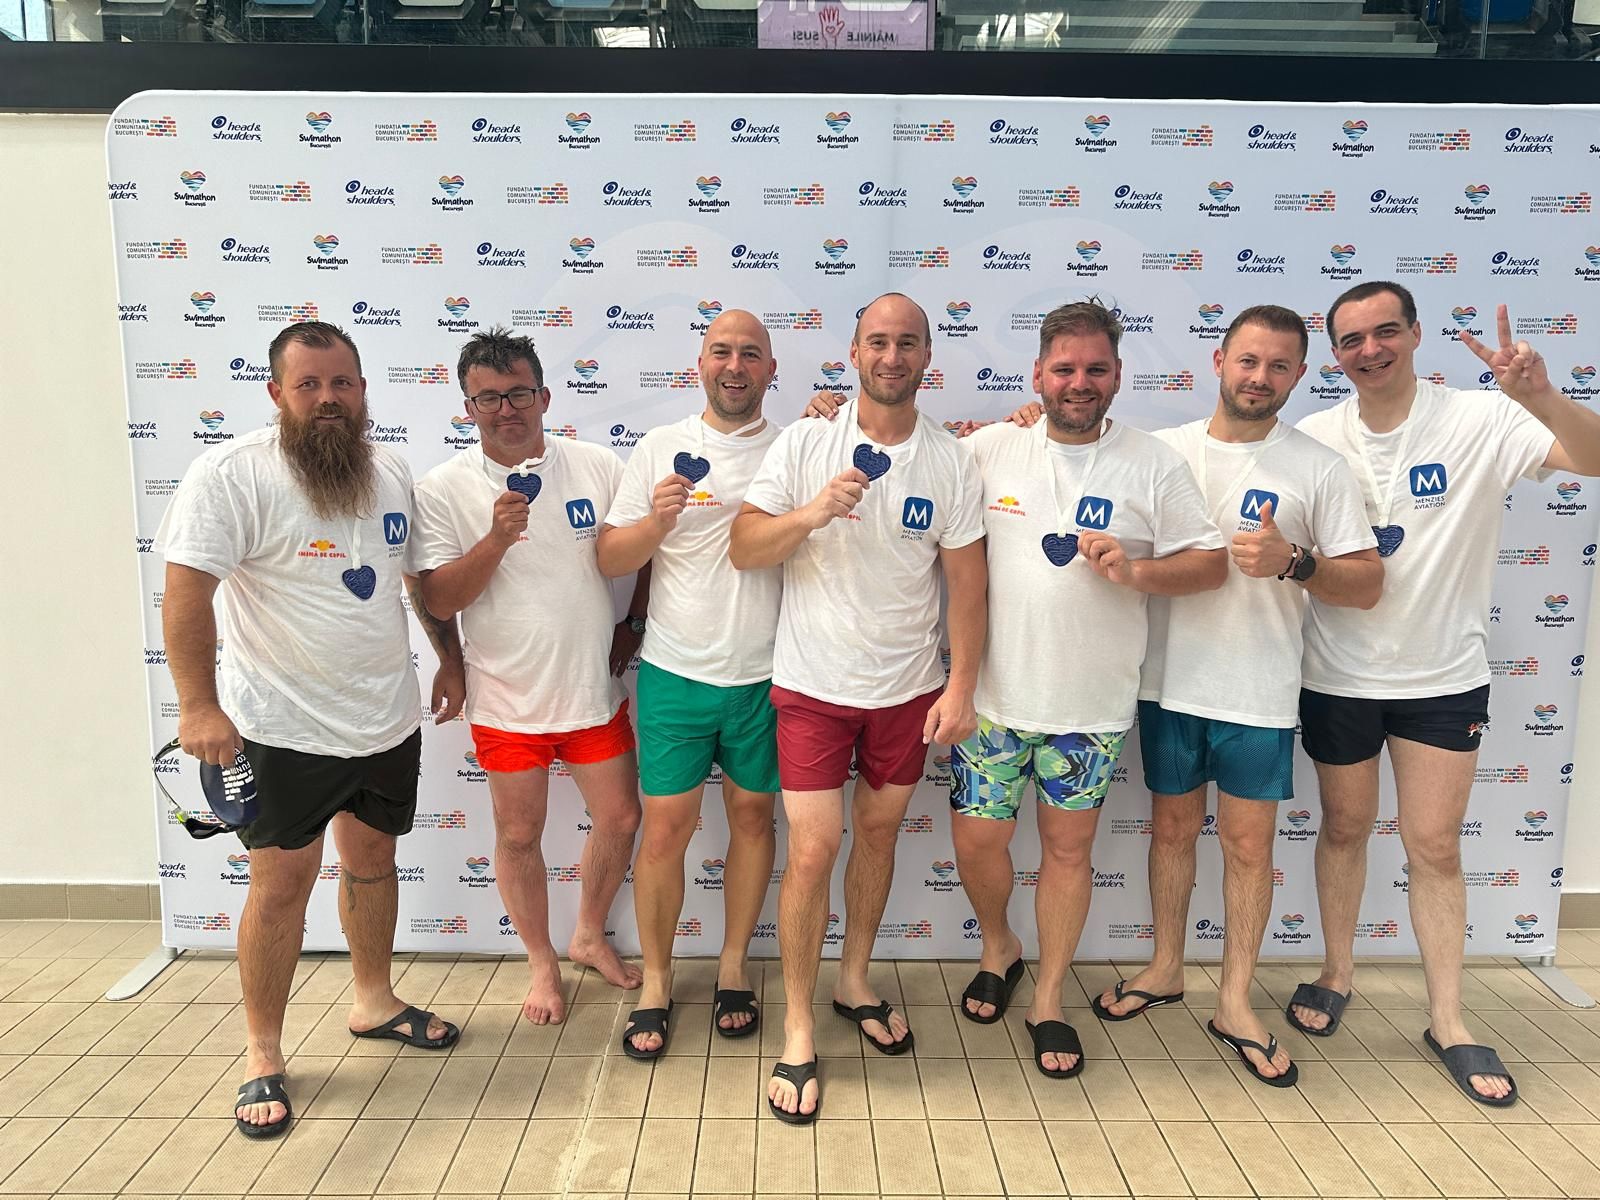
x=613, y=228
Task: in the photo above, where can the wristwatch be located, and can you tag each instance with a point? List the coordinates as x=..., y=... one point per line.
x=1302, y=564
x=635, y=623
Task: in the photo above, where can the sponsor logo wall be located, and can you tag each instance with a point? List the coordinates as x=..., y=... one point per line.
x=614, y=229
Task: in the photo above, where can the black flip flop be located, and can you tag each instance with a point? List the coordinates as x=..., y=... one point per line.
x=1320, y=999
x=1151, y=1000
x=1467, y=1060
x=1239, y=1045
x=265, y=1090
x=988, y=988
x=418, y=1037
x=875, y=1012
x=1055, y=1037
x=646, y=1020
x=729, y=1002
x=798, y=1074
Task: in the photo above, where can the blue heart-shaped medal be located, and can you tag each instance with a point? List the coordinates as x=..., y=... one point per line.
x=1059, y=549
x=527, y=485
x=871, y=463
x=691, y=468
x=361, y=581
x=1389, y=538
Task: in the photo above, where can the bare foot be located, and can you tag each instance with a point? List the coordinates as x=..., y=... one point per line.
x=598, y=955
x=257, y=1065
x=995, y=960
x=1148, y=980
x=1247, y=1025
x=544, y=1004
x=1050, y=1060
x=854, y=996
x=781, y=1092
x=372, y=1016
x=1314, y=1018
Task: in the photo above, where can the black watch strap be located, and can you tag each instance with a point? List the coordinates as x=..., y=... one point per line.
x=1305, y=568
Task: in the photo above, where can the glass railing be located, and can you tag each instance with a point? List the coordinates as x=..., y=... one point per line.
x=1387, y=29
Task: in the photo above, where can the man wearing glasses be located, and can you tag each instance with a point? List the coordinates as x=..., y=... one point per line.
x=506, y=536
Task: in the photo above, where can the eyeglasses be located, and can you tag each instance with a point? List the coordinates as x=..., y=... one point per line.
x=489, y=402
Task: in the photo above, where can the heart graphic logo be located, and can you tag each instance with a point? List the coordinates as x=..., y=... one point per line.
x=1220, y=190
x=709, y=308
x=362, y=582
x=943, y=868
x=1389, y=538
x=1293, y=921
x=692, y=468
x=524, y=484
x=874, y=464
x=1060, y=549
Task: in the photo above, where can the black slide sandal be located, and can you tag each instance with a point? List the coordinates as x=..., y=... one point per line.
x=1055, y=1037
x=646, y=1020
x=1467, y=1060
x=265, y=1090
x=727, y=1002
x=1322, y=1000
x=988, y=988
x=1239, y=1045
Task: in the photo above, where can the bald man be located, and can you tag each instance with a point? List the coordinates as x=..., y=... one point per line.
x=868, y=514
x=706, y=669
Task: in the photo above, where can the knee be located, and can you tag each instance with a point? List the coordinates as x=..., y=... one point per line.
x=750, y=822
x=621, y=822
x=282, y=883
x=1174, y=825
x=519, y=838
x=1067, y=854
x=665, y=839
x=877, y=833
x=980, y=837
x=1434, y=852
x=1249, y=852
x=812, y=858
x=1344, y=829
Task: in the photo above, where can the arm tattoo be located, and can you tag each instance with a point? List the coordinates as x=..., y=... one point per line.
x=442, y=635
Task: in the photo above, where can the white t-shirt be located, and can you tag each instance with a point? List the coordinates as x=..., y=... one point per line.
x=1234, y=654
x=1456, y=456
x=307, y=664
x=537, y=640
x=708, y=622
x=1064, y=644
x=859, y=624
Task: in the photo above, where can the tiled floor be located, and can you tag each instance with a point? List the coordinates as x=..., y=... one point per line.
x=134, y=1098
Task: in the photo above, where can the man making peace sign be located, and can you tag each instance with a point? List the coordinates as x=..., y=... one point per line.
x=1434, y=464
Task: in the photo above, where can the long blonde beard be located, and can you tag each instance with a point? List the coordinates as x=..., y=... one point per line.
x=332, y=461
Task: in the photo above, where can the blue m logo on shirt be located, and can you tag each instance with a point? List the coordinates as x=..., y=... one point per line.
x=1250, y=510
x=1094, y=512
x=395, y=528
x=918, y=513
x=1429, y=479
x=580, y=513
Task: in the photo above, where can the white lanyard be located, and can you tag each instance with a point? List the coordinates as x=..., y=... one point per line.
x=1214, y=508
x=1383, y=500
x=1063, y=515
x=742, y=431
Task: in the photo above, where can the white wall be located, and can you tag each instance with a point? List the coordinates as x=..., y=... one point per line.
x=73, y=737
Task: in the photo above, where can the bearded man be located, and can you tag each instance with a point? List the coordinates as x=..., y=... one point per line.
x=302, y=528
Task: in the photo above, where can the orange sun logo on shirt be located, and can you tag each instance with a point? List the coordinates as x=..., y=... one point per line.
x=322, y=544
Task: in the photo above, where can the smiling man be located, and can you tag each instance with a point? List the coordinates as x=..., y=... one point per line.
x=506, y=536
x=705, y=669
x=865, y=514
x=1434, y=464
x=303, y=529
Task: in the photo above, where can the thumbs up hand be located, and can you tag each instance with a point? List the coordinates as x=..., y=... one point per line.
x=1264, y=554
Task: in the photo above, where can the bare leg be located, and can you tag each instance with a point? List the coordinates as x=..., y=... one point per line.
x=874, y=829
x=520, y=799
x=1176, y=822
x=611, y=790
x=1434, y=787
x=983, y=857
x=745, y=879
x=1247, y=829
x=1066, y=880
x=369, y=899
x=816, y=828
x=658, y=893
x=1349, y=806
x=270, y=930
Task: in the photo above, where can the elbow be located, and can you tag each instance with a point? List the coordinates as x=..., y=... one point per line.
x=608, y=560
x=435, y=604
x=739, y=546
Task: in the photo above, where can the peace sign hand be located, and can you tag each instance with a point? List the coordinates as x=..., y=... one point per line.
x=1518, y=369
